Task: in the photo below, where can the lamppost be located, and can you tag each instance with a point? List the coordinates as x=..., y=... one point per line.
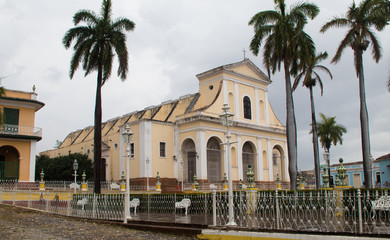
x=147, y=174
x=75, y=167
x=227, y=121
x=127, y=134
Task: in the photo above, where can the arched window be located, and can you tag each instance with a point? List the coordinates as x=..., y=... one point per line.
x=247, y=108
x=214, y=168
x=189, y=168
x=248, y=158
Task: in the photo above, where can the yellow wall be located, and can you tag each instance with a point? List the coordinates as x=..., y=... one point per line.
x=163, y=165
x=24, y=150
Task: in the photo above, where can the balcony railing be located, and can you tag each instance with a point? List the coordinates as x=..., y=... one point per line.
x=21, y=130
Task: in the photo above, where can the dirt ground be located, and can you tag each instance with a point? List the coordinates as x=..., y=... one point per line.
x=19, y=224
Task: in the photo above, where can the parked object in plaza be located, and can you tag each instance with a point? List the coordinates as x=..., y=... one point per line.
x=82, y=203
x=134, y=204
x=74, y=186
x=383, y=203
x=184, y=203
x=114, y=186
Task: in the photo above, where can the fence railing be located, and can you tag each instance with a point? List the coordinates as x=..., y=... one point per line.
x=20, y=130
x=62, y=185
x=330, y=211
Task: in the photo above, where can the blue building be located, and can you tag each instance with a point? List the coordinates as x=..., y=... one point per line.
x=355, y=176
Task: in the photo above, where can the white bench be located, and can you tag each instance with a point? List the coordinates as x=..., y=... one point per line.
x=185, y=203
x=82, y=203
x=383, y=203
x=114, y=186
x=134, y=204
x=75, y=186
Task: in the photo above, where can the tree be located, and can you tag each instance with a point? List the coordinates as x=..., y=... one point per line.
x=330, y=133
x=95, y=44
x=61, y=168
x=285, y=41
x=310, y=79
x=2, y=93
x=360, y=20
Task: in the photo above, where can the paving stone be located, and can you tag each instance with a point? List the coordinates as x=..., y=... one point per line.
x=19, y=223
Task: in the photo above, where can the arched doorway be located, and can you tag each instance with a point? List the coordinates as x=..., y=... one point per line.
x=9, y=163
x=214, y=165
x=248, y=157
x=278, y=163
x=189, y=168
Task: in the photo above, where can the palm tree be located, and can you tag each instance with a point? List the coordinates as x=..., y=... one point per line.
x=330, y=133
x=285, y=41
x=95, y=43
x=310, y=79
x=360, y=20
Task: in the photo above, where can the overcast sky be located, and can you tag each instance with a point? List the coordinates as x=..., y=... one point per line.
x=173, y=41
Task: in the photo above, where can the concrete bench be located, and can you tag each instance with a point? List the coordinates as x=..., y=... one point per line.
x=184, y=203
x=75, y=186
x=82, y=203
x=383, y=203
x=114, y=186
x=134, y=204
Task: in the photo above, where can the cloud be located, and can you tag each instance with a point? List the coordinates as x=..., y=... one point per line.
x=173, y=41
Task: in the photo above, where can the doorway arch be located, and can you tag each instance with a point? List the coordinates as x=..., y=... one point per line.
x=278, y=162
x=214, y=163
x=9, y=163
x=189, y=168
x=248, y=157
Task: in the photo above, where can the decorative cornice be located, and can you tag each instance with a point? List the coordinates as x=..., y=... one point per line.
x=20, y=102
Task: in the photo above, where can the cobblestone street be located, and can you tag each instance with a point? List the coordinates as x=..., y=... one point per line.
x=17, y=224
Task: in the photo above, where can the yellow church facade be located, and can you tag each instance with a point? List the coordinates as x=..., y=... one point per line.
x=18, y=135
x=183, y=137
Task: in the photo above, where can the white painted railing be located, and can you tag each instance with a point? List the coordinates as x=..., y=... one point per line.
x=331, y=211
x=21, y=130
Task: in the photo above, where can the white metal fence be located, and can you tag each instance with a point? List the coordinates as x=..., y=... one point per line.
x=62, y=185
x=350, y=211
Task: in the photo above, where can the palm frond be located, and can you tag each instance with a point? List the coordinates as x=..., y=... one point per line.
x=348, y=39
x=123, y=23
x=87, y=16
x=335, y=22
x=376, y=49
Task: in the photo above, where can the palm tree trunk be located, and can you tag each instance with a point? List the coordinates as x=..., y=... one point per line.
x=97, y=156
x=364, y=126
x=315, y=141
x=291, y=130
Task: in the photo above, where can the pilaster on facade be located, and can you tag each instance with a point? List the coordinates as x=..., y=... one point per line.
x=286, y=174
x=237, y=101
x=145, y=146
x=257, y=105
x=107, y=163
x=177, y=152
x=122, y=153
x=225, y=93
x=270, y=162
x=260, y=173
x=266, y=107
x=32, y=161
x=201, y=160
x=239, y=159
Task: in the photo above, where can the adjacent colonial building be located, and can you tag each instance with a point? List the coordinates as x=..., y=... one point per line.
x=380, y=171
x=183, y=137
x=18, y=135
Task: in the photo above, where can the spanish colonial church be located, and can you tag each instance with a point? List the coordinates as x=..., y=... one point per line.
x=183, y=137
